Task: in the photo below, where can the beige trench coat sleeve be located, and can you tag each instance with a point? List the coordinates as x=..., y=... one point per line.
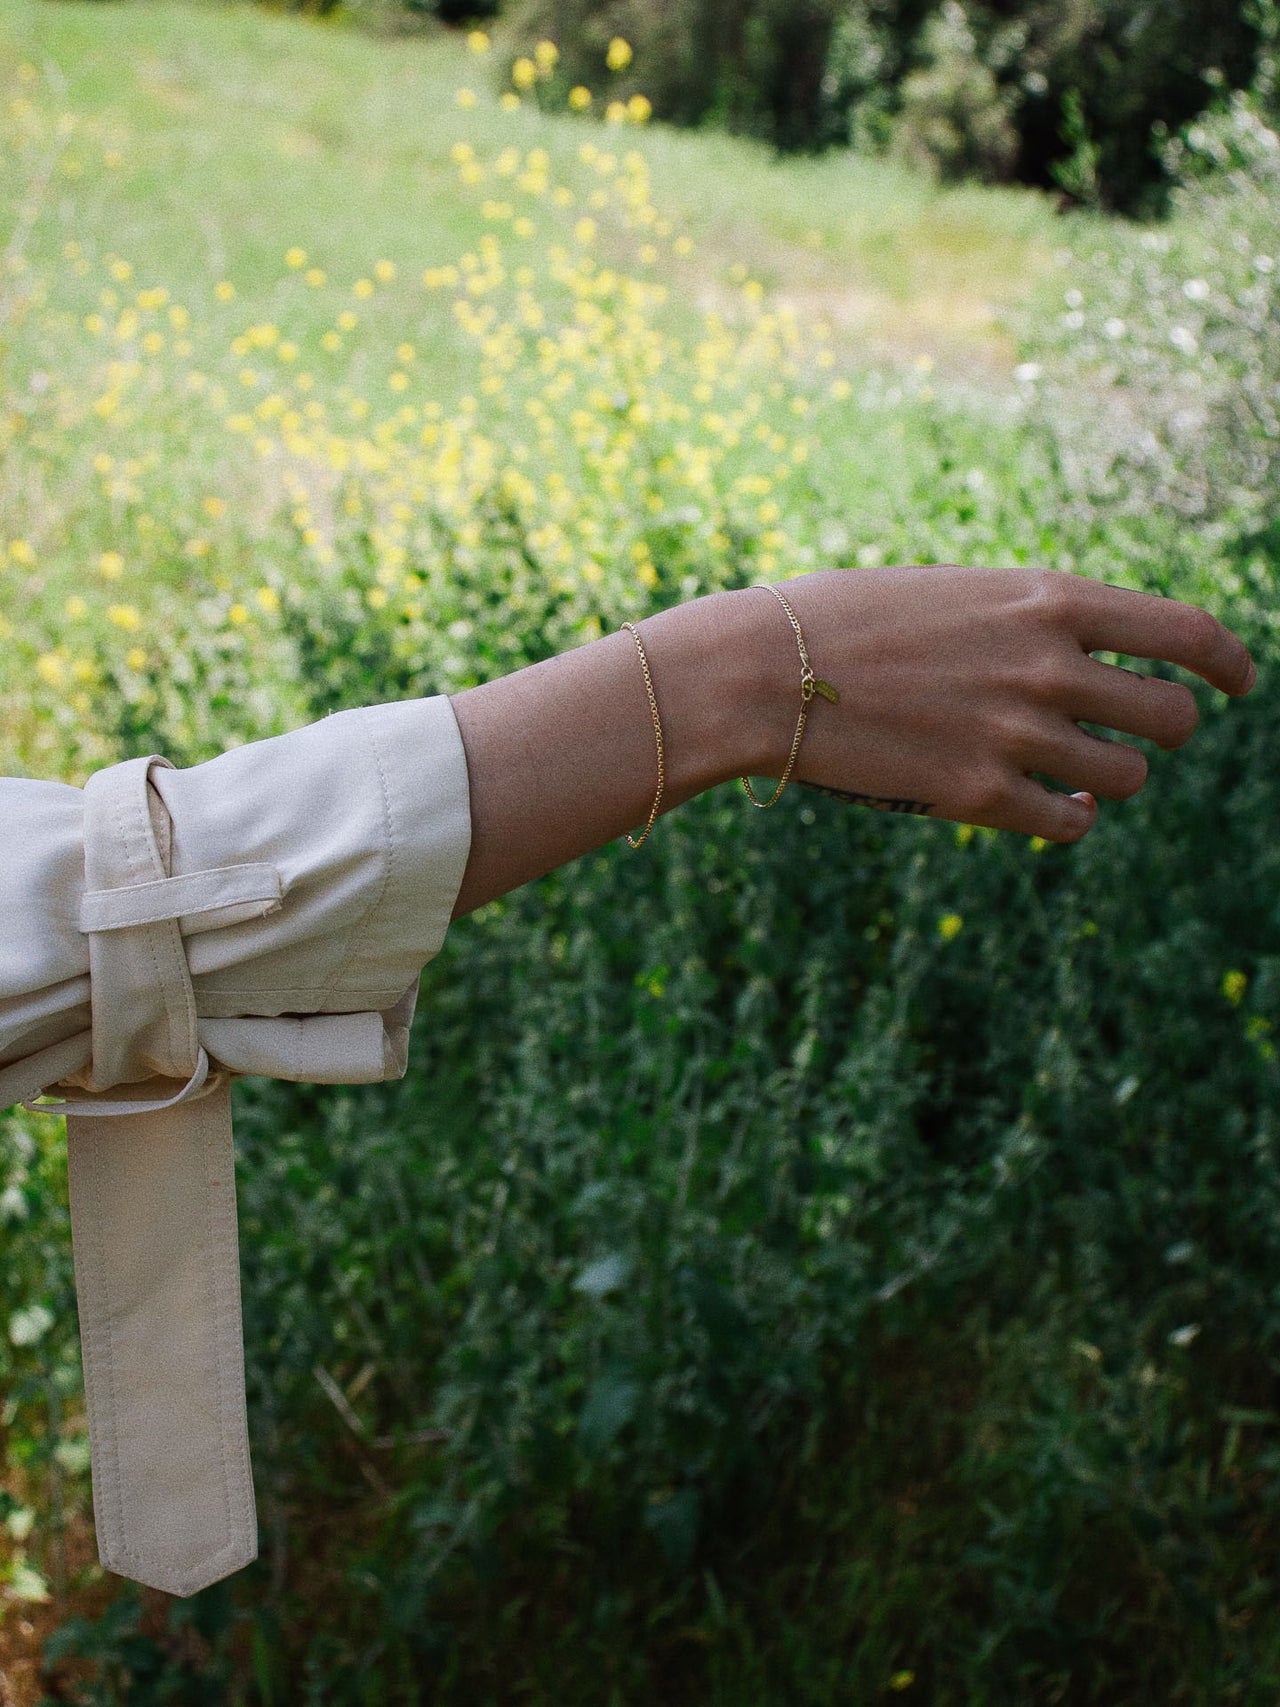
x=161, y=932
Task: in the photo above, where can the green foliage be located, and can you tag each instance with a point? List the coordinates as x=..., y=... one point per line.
x=47, y=1451
x=1177, y=326
x=955, y=118
x=1078, y=95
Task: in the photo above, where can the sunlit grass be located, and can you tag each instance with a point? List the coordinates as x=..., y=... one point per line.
x=228, y=128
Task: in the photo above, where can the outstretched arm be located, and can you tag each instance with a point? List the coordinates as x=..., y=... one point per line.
x=958, y=688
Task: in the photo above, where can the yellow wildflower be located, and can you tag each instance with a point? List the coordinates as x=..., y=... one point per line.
x=524, y=73
x=639, y=109
x=135, y=658
x=950, y=925
x=268, y=599
x=618, y=56
x=466, y=98
x=49, y=669
x=579, y=98
x=224, y=291
x=124, y=616
x=111, y=565
x=1234, y=985
x=477, y=41
x=238, y=614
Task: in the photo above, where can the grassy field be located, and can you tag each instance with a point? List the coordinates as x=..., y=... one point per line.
x=820, y=1286
x=234, y=135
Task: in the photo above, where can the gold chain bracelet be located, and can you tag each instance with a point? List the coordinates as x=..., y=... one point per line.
x=657, y=730
x=809, y=686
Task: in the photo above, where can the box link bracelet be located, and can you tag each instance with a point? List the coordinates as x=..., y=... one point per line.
x=810, y=684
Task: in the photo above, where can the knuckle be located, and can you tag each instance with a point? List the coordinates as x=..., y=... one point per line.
x=1052, y=683
x=1051, y=593
x=1011, y=732
x=989, y=796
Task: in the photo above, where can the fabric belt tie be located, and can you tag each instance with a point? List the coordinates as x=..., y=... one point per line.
x=153, y=1208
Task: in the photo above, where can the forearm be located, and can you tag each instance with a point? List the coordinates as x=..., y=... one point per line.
x=562, y=756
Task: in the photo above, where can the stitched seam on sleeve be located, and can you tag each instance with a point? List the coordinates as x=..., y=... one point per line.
x=96, y=1343
x=214, y=1307
x=354, y=940
x=148, y=939
x=182, y=1025
x=138, y=850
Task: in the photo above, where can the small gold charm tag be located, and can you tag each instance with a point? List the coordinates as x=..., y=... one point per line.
x=826, y=690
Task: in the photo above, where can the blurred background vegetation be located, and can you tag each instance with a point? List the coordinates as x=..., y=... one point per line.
x=853, y=1275
x=1072, y=94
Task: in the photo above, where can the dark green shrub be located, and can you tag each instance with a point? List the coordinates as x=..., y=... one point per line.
x=1075, y=96
x=955, y=118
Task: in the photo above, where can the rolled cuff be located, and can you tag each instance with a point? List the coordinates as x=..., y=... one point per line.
x=364, y=820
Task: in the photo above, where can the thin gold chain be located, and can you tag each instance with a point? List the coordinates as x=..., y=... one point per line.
x=657, y=730
x=809, y=686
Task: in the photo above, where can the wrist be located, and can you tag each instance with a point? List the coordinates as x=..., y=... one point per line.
x=727, y=679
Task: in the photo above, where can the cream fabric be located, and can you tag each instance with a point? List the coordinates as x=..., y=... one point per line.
x=163, y=931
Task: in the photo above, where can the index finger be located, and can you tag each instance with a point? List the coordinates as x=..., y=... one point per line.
x=1144, y=625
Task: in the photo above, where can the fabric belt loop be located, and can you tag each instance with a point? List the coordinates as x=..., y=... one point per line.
x=252, y=888
x=153, y=1220
x=144, y=1014
x=153, y=1214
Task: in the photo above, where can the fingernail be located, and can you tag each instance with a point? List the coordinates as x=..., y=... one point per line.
x=1253, y=675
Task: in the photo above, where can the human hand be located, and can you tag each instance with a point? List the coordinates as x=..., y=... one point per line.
x=959, y=686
